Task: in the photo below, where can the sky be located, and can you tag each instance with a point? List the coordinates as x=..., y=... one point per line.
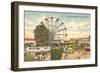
x=77, y=24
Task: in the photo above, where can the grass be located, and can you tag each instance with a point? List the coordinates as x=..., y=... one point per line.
x=28, y=58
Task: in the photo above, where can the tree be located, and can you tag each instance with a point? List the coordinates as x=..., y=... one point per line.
x=56, y=53
x=76, y=44
x=41, y=35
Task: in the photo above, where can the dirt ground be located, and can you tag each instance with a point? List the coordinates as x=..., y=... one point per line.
x=76, y=55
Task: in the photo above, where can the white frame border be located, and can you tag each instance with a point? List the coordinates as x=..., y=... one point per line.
x=23, y=64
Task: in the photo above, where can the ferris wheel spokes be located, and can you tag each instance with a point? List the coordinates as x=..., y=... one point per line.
x=57, y=28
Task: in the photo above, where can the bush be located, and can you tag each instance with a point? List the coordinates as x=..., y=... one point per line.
x=28, y=58
x=56, y=54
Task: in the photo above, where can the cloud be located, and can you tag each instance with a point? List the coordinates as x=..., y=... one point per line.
x=29, y=35
x=29, y=23
x=30, y=26
x=74, y=29
x=78, y=30
x=73, y=26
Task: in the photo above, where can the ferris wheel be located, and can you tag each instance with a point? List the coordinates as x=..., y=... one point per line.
x=57, y=28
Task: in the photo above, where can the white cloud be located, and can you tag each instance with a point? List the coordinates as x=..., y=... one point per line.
x=77, y=26
x=74, y=34
x=30, y=26
x=73, y=29
x=29, y=35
